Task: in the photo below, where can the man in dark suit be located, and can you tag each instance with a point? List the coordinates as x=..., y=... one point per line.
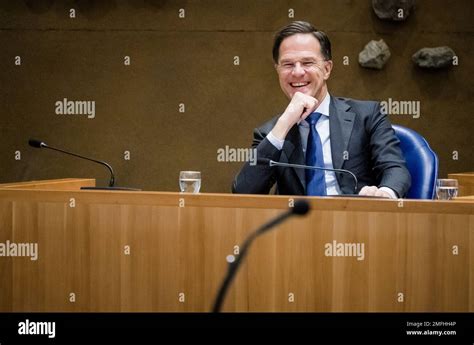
x=318, y=129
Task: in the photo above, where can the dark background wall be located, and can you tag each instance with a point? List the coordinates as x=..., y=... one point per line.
x=190, y=60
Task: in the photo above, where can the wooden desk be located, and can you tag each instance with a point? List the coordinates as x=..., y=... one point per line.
x=466, y=183
x=153, y=251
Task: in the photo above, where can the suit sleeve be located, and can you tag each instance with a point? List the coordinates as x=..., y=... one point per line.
x=259, y=178
x=388, y=164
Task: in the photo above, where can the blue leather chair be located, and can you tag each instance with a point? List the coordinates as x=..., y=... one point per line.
x=422, y=163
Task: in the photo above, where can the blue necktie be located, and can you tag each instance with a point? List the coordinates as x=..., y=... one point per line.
x=315, y=182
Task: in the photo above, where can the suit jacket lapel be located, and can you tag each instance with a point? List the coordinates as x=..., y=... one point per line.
x=341, y=122
x=294, y=153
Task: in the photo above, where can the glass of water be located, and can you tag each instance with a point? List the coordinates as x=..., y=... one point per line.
x=446, y=189
x=189, y=181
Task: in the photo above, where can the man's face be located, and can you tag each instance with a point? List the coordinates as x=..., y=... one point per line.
x=301, y=66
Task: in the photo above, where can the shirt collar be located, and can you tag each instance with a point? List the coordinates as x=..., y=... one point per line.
x=323, y=107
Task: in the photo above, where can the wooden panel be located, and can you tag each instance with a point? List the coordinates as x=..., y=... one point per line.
x=451, y=275
x=27, y=282
x=60, y=184
x=178, y=244
x=242, y=201
x=466, y=183
x=6, y=263
x=53, y=254
x=79, y=258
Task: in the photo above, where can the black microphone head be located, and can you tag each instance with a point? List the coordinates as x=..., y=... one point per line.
x=263, y=161
x=36, y=143
x=301, y=207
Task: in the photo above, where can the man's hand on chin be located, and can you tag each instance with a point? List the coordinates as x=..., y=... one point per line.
x=374, y=191
x=298, y=109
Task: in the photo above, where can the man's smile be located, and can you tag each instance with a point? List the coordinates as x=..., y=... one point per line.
x=300, y=84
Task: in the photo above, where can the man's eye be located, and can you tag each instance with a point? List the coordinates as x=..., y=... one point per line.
x=308, y=64
x=288, y=65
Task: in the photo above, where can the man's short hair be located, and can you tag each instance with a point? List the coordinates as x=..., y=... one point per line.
x=300, y=27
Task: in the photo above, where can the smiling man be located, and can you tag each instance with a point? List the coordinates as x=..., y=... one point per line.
x=321, y=130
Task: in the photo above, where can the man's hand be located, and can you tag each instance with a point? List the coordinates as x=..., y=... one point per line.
x=300, y=107
x=374, y=191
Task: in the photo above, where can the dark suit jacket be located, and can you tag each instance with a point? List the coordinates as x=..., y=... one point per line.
x=362, y=141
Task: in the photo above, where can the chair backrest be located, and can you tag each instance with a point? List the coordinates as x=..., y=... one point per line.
x=422, y=163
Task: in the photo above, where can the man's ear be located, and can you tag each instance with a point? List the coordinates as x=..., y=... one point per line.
x=327, y=69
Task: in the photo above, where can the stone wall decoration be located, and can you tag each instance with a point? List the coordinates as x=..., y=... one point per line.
x=374, y=55
x=437, y=57
x=396, y=10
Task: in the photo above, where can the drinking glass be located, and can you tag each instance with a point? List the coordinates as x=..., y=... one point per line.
x=189, y=181
x=446, y=189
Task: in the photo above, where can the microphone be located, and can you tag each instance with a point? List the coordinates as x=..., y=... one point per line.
x=300, y=166
x=41, y=144
x=301, y=207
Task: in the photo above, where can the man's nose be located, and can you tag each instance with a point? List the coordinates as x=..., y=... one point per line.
x=298, y=69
